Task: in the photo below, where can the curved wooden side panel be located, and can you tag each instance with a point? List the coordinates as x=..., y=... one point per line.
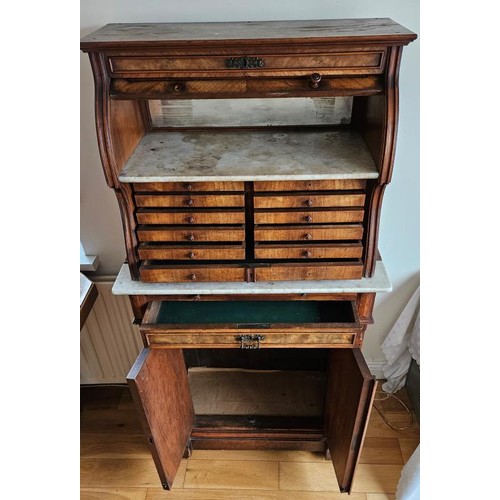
x=120, y=127
x=377, y=116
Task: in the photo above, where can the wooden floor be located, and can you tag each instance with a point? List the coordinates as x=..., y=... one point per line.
x=116, y=464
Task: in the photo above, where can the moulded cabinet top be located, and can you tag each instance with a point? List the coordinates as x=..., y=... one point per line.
x=383, y=30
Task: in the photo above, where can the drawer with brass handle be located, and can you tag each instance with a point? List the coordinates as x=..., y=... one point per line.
x=250, y=324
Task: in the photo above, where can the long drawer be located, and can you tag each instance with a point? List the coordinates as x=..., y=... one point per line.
x=188, y=186
x=159, y=272
x=190, y=200
x=189, y=216
x=251, y=325
x=311, y=251
x=342, y=270
x=309, y=233
x=311, y=216
x=151, y=251
x=192, y=234
x=308, y=200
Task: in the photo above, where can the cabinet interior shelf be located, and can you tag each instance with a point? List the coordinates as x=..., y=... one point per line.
x=191, y=156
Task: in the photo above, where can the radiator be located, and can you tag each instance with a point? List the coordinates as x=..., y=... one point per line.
x=109, y=342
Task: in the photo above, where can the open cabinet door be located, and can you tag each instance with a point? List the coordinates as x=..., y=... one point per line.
x=159, y=385
x=349, y=398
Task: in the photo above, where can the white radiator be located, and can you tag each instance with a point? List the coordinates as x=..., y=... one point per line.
x=109, y=342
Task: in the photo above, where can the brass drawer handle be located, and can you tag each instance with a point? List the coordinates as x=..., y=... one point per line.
x=315, y=80
x=244, y=62
x=250, y=341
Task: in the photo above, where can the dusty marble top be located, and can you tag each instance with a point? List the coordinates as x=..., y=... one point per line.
x=379, y=282
x=249, y=156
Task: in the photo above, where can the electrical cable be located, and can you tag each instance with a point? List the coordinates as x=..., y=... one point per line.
x=384, y=418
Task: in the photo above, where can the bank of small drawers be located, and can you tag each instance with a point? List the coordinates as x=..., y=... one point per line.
x=184, y=222
x=310, y=220
x=200, y=231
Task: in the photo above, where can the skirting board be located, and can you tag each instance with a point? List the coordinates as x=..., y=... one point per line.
x=376, y=368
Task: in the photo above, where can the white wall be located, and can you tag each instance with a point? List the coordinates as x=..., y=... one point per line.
x=101, y=231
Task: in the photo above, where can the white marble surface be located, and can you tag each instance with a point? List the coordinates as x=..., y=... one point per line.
x=124, y=285
x=249, y=156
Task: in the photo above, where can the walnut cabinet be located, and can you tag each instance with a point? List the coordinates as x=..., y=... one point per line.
x=249, y=161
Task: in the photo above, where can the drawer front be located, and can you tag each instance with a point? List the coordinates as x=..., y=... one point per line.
x=334, y=63
x=320, y=185
x=309, y=233
x=188, y=186
x=235, y=340
x=179, y=274
x=158, y=216
x=192, y=234
x=247, y=87
x=312, y=271
x=191, y=252
x=190, y=200
x=294, y=251
x=299, y=200
x=308, y=216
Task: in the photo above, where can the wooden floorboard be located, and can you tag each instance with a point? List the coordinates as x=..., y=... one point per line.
x=116, y=464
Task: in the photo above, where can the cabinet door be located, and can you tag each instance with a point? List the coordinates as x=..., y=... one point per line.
x=159, y=385
x=349, y=398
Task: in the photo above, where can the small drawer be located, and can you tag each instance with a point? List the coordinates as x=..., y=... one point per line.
x=311, y=271
x=270, y=216
x=151, y=251
x=158, y=272
x=320, y=185
x=190, y=234
x=250, y=324
x=313, y=251
x=179, y=216
x=187, y=186
x=319, y=232
x=190, y=200
x=308, y=200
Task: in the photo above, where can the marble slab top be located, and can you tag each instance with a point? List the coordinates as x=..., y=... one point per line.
x=379, y=282
x=249, y=156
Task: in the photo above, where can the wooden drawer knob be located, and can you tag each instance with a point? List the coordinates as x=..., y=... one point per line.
x=178, y=87
x=192, y=277
x=309, y=203
x=190, y=219
x=307, y=253
x=308, y=218
x=189, y=202
x=192, y=255
x=308, y=236
x=189, y=187
x=190, y=237
x=315, y=79
x=196, y=297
